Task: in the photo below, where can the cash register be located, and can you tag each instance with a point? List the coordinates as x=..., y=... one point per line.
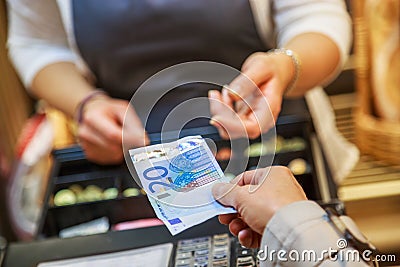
x=208, y=244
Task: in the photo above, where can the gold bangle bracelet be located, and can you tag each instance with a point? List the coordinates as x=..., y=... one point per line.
x=296, y=64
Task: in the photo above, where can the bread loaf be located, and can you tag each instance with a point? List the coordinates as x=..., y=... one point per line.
x=383, y=19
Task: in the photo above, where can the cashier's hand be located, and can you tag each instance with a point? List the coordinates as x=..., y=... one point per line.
x=256, y=195
x=100, y=132
x=250, y=104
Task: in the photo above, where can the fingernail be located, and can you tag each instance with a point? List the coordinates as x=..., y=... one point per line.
x=215, y=123
x=225, y=91
x=242, y=240
x=234, y=92
x=212, y=93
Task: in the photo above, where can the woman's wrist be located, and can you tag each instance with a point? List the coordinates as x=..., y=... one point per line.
x=80, y=109
x=289, y=67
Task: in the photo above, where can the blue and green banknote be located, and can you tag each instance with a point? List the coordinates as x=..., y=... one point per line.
x=178, y=178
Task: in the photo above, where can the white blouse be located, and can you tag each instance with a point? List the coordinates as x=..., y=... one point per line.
x=41, y=31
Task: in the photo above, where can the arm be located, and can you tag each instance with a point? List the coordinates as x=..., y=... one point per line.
x=319, y=32
x=40, y=52
x=319, y=62
x=36, y=37
x=66, y=78
x=39, y=49
x=251, y=103
x=100, y=131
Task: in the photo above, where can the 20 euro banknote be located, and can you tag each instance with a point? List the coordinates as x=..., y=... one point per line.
x=178, y=178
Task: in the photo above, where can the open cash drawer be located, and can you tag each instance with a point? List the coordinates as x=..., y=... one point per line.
x=71, y=169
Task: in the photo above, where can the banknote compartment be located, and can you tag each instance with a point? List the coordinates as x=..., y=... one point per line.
x=295, y=130
x=282, y=159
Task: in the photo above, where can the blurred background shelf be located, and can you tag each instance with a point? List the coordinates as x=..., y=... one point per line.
x=371, y=192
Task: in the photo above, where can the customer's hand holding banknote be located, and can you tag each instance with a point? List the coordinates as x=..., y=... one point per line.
x=256, y=195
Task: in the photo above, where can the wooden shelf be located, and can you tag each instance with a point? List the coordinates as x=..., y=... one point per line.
x=371, y=192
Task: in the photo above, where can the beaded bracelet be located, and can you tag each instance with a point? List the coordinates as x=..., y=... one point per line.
x=84, y=101
x=296, y=63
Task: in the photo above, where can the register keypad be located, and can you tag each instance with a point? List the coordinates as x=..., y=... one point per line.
x=215, y=251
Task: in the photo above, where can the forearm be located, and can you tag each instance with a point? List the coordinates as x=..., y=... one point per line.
x=62, y=86
x=319, y=57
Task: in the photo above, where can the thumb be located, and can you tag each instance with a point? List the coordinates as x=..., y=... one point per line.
x=228, y=194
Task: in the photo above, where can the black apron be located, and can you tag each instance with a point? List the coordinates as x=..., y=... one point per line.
x=124, y=42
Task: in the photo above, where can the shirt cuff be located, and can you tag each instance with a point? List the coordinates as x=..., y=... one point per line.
x=300, y=227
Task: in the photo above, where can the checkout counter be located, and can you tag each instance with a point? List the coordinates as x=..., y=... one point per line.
x=70, y=167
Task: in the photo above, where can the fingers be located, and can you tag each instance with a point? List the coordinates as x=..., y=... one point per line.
x=233, y=194
x=217, y=106
x=254, y=73
x=239, y=228
x=224, y=118
x=228, y=194
x=227, y=218
x=237, y=179
x=275, y=188
x=92, y=141
x=226, y=98
x=274, y=99
x=102, y=155
x=102, y=128
x=258, y=176
x=243, y=107
x=237, y=225
x=257, y=113
x=134, y=134
x=87, y=134
x=249, y=239
x=97, y=148
x=246, y=236
x=246, y=122
x=104, y=123
x=260, y=119
x=221, y=130
x=254, y=177
x=249, y=95
x=107, y=129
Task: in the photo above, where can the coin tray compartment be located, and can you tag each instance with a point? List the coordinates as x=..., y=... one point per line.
x=120, y=209
x=117, y=182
